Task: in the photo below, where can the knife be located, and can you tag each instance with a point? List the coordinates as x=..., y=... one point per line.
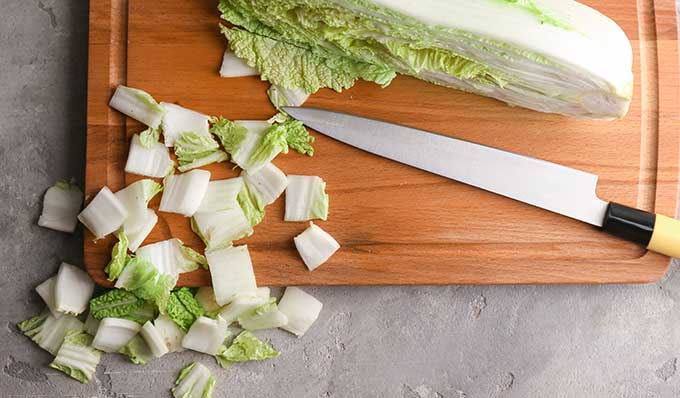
x=543, y=184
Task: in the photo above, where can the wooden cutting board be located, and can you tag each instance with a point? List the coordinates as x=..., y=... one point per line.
x=396, y=224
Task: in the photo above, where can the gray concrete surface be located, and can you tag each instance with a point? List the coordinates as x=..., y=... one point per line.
x=411, y=342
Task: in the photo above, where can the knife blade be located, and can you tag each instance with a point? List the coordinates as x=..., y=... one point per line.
x=550, y=186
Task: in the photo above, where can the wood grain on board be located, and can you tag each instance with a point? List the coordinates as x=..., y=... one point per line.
x=396, y=224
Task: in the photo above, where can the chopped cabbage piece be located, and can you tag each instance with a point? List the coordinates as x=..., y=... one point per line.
x=104, y=214
x=184, y=193
x=194, y=381
x=232, y=272
x=315, y=246
x=266, y=184
x=150, y=159
x=61, y=206
x=114, y=333
x=301, y=308
x=206, y=335
x=72, y=289
x=306, y=198
x=76, y=356
x=46, y=291
x=138, y=105
x=153, y=339
x=178, y=120
x=47, y=331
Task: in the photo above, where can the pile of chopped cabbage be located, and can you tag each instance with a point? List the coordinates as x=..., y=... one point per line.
x=145, y=315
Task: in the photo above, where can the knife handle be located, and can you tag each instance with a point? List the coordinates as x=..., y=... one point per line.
x=656, y=232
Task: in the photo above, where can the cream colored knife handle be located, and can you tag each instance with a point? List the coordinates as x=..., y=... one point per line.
x=656, y=232
x=666, y=236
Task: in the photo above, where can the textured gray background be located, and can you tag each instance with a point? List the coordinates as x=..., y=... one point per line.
x=411, y=342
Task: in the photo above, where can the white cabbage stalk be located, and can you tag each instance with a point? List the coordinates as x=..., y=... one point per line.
x=245, y=302
x=72, y=289
x=154, y=340
x=76, y=356
x=46, y=291
x=61, y=205
x=170, y=257
x=266, y=317
x=104, y=214
x=206, y=335
x=301, y=308
x=141, y=230
x=221, y=195
x=151, y=162
x=315, y=246
x=138, y=105
x=221, y=228
x=215, y=157
x=194, y=381
x=555, y=56
x=306, y=198
x=232, y=272
x=233, y=66
x=268, y=183
x=114, y=333
x=206, y=298
x=91, y=325
x=184, y=193
x=136, y=196
x=281, y=96
x=171, y=334
x=47, y=331
x=255, y=131
x=178, y=120
x=140, y=220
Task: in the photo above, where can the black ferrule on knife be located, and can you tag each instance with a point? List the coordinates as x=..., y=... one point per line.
x=629, y=223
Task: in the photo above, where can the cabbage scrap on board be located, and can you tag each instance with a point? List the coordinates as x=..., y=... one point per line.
x=566, y=58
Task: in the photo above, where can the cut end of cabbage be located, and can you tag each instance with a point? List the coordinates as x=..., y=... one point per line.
x=232, y=273
x=153, y=161
x=72, y=289
x=61, y=206
x=171, y=257
x=184, y=193
x=171, y=334
x=114, y=333
x=219, y=229
x=306, y=198
x=268, y=183
x=206, y=335
x=315, y=246
x=140, y=220
x=301, y=308
x=138, y=105
x=141, y=229
x=221, y=195
x=178, y=120
x=104, y=214
x=233, y=66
